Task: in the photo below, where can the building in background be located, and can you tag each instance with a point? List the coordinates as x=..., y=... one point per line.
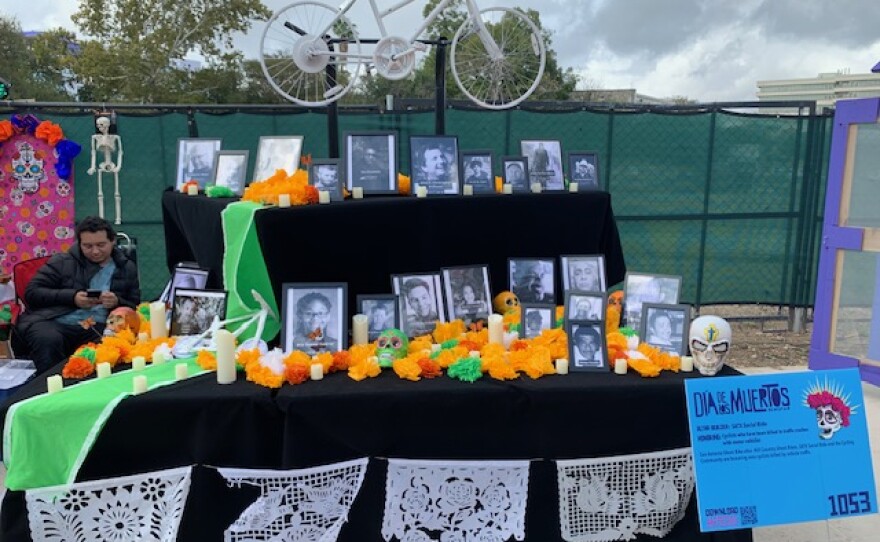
x=825, y=89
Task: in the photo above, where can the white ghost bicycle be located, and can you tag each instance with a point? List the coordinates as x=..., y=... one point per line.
x=310, y=53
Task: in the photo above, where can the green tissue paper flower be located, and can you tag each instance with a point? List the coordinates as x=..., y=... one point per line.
x=466, y=369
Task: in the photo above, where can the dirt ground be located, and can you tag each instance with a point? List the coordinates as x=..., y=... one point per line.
x=761, y=337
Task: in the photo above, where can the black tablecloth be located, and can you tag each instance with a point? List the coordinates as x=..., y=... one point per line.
x=363, y=242
x=243, y=425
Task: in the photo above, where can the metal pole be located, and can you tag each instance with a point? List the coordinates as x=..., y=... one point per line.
x=440, y=87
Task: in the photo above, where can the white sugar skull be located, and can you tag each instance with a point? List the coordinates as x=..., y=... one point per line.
x=830, y=421
x=40, y=251
x=63, y=232
x=17, y=196
x=62, y=189
x=709, y=341
x=44, y=209
x=26, y=228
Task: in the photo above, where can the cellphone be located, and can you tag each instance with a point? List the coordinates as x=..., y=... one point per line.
x=93, y=293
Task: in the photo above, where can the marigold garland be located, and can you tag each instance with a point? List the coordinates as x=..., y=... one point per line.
x=296, y=186
x=207, y=360
x=77, y=367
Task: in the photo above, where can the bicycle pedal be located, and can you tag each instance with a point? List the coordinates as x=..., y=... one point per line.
x=420, y=47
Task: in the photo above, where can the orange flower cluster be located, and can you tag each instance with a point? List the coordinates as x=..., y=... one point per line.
x=49, y=132
x=404, y=185
x=77, y=367
x=185, y=188
x=6, y=130
x=207, y=360
x=499, y=184
x=296, y=185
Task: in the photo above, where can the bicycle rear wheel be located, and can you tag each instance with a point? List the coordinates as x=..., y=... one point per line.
x=506, y=80
x=301, y=65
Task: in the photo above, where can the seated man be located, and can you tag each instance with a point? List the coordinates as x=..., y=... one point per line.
x=57, y=296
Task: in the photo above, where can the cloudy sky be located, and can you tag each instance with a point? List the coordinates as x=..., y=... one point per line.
x=706, y=50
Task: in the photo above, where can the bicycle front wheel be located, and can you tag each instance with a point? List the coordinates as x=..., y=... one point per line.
x=303, y=65
x=502, y=78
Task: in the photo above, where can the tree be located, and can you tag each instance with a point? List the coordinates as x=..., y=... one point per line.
x=138, y=45
x=38, y=66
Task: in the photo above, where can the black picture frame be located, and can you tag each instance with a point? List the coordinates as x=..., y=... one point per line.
x=575, y=308
x=195, y=160
x=318, y=168
x=545, y=162
x=277, y=152
x=577, y=360
x=192, y=278
x=230, y=170
x=193, y=311
x=653, y=332
x=574, y=269
x=455, y=280
x=641, y=288
x=528, y=288
x=482, y=180
x=587, y=175
x=370, y=304
x=433, y=163
x=414, y=324
x=528, y=311
x=521, y=163
x=371, y=161
x=300, y=298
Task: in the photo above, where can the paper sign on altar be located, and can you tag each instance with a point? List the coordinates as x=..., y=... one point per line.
x=780, y=448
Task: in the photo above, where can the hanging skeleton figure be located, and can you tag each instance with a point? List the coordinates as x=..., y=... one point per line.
x=106, y=143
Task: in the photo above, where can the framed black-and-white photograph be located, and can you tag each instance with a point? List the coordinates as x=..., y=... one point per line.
x=277, y=152
x=190, y=278
x=535, y=318
x=195, y=160
x=468, y=292
x=545, y=162
x=581, y=305
x=583, y=168
x=230, y=170
x=326, y=175
x=583, y=272
x=434, y=164
x=192, y=311
x=532, y=279
x=421, y=302
x=382, y=312
x=476, y=170
x=586, y=346
x=314, y=317
x=665, y=326
x=371, y=162
x=642, y=288
x=515, y=172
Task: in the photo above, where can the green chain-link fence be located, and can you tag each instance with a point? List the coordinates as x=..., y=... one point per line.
x=730, y=201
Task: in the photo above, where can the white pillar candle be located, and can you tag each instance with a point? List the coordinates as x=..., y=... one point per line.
x=632, y=343
x=421, y=191
x=139, y=384
x=192, y=190
x=507, y=188
x=104, y=370
x=474, y=354
x=620, y=366
x=435, y=348
x=536, y=188
x=572, y=187
x=54, y=384
x=138, y=363
x=468, y=190
x=687, y=364
x=359, y=329
x=225, y=342
x=158, y=328
x=180, y=371
x=496, y=329
x=561, y=366
x=158, y=358
x=143, y=336
x=357, y=192
x=317, y=371
x=284, y=200
x=323, y=196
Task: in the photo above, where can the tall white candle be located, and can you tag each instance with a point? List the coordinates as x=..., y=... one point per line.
x=192, y=190
x=357, y=192
x=687, y=364
x=323, y=196
x=536, y=188
x=104, y=370
x=225, y=342
x=138, y=363
x=54, y=384
x=468, y=190
x=572, y=187
x=284, y=200
x=317, y=371
x=180, y=371
x=561, y=366
x=158, y=327
x=620, y=366
x=421, y=191
x=507, y=188
x=139, y=384
x=359, y=329
x=496, y=329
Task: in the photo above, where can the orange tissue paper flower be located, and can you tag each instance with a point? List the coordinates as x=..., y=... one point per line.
x=106, y=354
x=498, y=184
x=298, y=358
x=296, y=373
x=430, y=368
x=121, y=345
x=77, y=367
x=498, y=368
x=362, y=352
x=448, y=330
x=341, y=361
x=643, y=366
x=404, y=185
x=6, y=130
x=480, y=337
x=519, y=344
x=207, y=360
x=407, y=368
x=127, y=336
x=325, y=359
x=49, y=132
x=311, y=194
x=264, y=376
x=417, y=345
x=246, y=357
x=364, y=369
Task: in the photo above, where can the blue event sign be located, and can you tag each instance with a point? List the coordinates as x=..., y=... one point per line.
x=780, y=448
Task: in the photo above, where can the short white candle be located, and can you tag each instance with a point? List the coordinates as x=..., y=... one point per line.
x=536, y=188
x=317, y=371
x=632, y=343
x=323, y=196
x=620, y=366
x=225, y=342
x=359, y=329
x=158, y=327
x=468, y=190
x=507, y=188
x=139, y=384
x=357, y=192
x=192, y=190
x=180, y=371
x=158, y=358
x=474, y=353
x=421, y=191
x=54, y=384
x=561, y=366
x=496, y=329
x=104, y=370
x=435, y=348
x=143, y=336
x=138, y=363
x=572, y=187
x=284, y=200
x=687, y=364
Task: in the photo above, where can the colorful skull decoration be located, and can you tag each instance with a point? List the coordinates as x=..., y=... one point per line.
x=392, y=345
x=27, y=168
x=123, y=318
x=710, y=342
x=44, y=209
x=505, y=302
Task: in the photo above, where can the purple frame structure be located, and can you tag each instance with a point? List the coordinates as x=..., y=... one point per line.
x=836, y=237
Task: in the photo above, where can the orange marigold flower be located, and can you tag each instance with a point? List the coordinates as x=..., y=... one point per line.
x=429, y=367
x=341, y=361
x=185, y=188
x=468, y=345
x=298, y=358
x=644, y=367
x=127, y=336
x=448, y=330
x=49, y=132
x=417, y=345
x=107, y=354
x=367, y=368
x=207, y=360
x=407, y=368
x=519, y=344
x=246, y=357
x=498, y=184
x=404, y=184
x=264, y=376
x=77, y=367
x=296, y=373
x=311, y=194
x=325, y=359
